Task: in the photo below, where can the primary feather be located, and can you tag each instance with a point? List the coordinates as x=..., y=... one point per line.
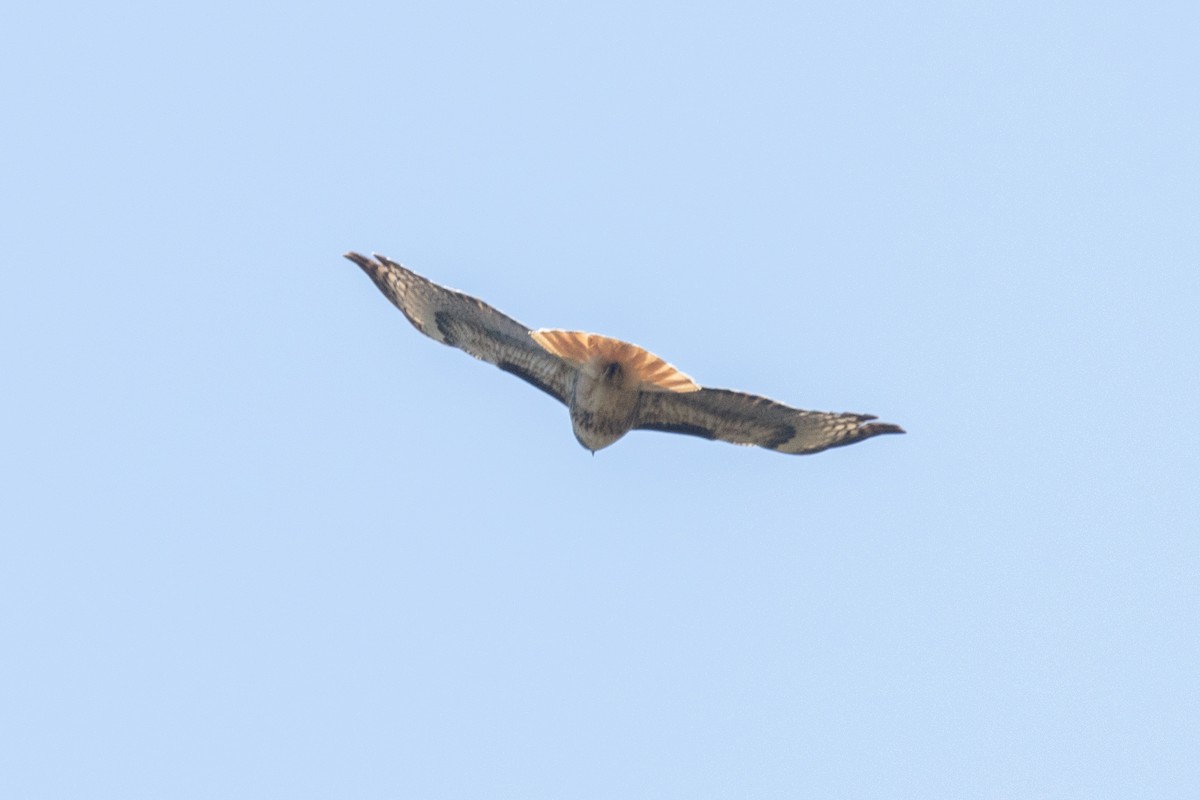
x=610, y=386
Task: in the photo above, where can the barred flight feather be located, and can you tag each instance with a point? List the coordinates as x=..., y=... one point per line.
x=609, y=386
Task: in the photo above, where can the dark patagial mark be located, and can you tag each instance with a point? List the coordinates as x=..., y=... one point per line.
x=678, y=427
x=612, y=371
x=443, y=321
x=529, y=377
x=783, y=435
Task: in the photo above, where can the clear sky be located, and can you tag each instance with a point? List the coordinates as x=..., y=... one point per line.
x=262, y=539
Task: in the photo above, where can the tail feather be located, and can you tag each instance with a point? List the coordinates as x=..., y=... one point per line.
x=578, y=348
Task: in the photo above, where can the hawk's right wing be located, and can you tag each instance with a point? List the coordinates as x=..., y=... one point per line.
x=462, y=321
x=748, y=419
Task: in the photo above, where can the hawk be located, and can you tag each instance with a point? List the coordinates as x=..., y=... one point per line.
x=610, y=387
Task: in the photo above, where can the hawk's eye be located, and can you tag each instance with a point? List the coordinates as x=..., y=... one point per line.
x=612, y=370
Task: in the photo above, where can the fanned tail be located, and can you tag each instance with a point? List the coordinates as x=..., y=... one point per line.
x=579, y=348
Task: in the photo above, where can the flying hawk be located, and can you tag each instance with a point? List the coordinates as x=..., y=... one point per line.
x=611, y=387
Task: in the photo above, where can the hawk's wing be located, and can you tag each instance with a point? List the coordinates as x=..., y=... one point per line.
x=469, y=324
x=748, y=419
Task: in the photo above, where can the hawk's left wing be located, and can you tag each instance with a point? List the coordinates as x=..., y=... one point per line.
x=748, y=419
x=469, y=324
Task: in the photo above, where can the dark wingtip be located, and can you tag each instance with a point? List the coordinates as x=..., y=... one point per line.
x=876, y=428
x=361, y=260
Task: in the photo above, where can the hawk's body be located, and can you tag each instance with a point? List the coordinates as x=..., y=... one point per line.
x=611, y=387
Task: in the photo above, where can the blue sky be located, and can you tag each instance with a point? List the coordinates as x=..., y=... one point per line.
x=262, y=539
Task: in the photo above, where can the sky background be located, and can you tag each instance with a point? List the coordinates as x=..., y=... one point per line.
x=262, y=539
